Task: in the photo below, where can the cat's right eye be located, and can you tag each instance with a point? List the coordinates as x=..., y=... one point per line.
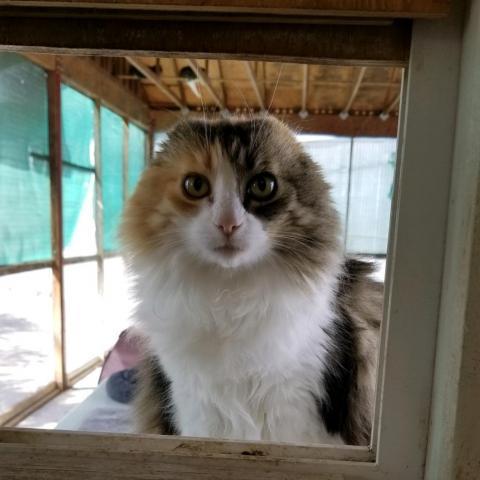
x=196, y=186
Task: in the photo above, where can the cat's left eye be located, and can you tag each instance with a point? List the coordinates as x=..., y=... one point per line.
x=262, y=187
x=196, y=186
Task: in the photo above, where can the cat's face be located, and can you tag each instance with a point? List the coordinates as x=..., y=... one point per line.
x=233, y=194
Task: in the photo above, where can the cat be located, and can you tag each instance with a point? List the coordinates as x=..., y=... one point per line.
x=256, y=326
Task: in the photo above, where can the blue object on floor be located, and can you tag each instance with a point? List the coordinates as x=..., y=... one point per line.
x=121, y=385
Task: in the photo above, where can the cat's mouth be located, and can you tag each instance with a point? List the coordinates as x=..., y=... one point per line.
x=227, y=250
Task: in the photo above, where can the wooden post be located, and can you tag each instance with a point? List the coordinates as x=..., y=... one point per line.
x=55, y=143
x=125, y=160
x=349, y=188
x=150, y=145
x=98, y=199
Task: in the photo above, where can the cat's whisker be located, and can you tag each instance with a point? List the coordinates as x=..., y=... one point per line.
x=204, y=110
x=269, y=105
x=244, y=100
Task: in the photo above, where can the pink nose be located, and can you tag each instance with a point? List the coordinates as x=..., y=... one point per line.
x=228, y=228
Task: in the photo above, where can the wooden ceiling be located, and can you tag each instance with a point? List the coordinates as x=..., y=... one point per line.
x=240, y=87
x=371, y=8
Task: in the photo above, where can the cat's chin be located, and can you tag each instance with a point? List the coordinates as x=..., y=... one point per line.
x=229, y=257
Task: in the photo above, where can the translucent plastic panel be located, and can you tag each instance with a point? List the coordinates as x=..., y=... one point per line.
x=136, y=156
x=77, y=128
x=26, y=336
x=117, y=301
x=373, y=168
x=333, y=155
x=112, y=176
x=25, y=236
x=78, y=202
x=83, y=319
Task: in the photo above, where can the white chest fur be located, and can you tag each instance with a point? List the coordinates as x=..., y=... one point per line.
x=245, y=355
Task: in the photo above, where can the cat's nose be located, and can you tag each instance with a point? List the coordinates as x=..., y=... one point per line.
x=229, y=227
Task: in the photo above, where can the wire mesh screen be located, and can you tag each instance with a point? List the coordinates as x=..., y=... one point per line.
x=371, y=189
x=25, y=221
x=78, y=173
x=361, y=174
x=136, y=156
x=111, y=151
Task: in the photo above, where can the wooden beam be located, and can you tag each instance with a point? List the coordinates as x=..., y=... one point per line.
x=345, y=112
x=80, y=259
x=113, y=456
x=97, y=128
x=123, y=33
x=157, y=81
x=222, y=82
x=55, y=146
x=93, y=80
x=149, y=146
x=24, y=267
x=125, y=160
x=386, y=112
x=84, y=370
x=253, y=81
x=179, y=81
x=29, y=405
x=304, y=112
x=205, y=81
x=356, y=8
x=353, y=126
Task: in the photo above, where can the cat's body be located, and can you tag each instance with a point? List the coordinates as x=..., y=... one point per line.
x=256, y=326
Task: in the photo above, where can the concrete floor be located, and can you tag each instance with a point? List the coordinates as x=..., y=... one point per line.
x=52, y=412
x=26, y=326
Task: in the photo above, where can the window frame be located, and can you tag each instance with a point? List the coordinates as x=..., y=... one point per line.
x=412, y=303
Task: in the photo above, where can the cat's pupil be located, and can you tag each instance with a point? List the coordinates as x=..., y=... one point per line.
x=197, y=184
x=261, y=184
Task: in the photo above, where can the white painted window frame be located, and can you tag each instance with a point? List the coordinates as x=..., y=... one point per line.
x=413, y=305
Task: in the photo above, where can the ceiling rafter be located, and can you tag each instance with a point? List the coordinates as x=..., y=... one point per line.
x=253, y=80
x=179, y=81
x=304, y=112
x=386, y=111
x=157, y=81
x=345, y=111
x=222, y=82
x=205, y=81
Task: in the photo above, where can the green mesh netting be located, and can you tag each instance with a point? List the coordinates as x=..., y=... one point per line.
x=136, y=156
x=78, y=173
x=111, y=151
x=77, y=128
x=25, y=224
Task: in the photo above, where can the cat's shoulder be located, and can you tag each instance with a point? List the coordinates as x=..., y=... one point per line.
x=359, y=294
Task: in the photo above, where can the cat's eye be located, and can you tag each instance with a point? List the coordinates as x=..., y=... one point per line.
x=262, y=187
x=196, y=186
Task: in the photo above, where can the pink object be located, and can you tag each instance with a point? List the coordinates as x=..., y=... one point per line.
x=124, y=354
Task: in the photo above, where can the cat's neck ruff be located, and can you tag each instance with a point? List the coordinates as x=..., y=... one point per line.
x=221, y=324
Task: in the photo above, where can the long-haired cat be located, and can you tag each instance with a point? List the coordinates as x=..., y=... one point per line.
x=256, y=326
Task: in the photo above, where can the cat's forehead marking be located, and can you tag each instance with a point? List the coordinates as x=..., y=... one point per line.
x=237, y=142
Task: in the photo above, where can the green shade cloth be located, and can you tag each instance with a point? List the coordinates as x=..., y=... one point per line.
x=25, y=217
x=111, y=151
